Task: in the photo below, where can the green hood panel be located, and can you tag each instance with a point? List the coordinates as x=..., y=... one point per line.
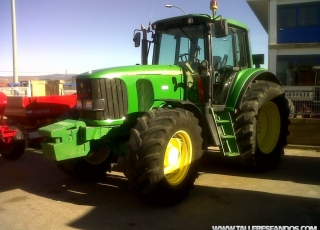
x=137, y=70
x=145, y=86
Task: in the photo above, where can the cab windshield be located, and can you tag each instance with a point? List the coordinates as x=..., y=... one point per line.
x=186, y=44
x=180, y=44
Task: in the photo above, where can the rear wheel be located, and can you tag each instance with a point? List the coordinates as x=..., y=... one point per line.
x=14, y=149
x=163, y=157
x=261, y=125
x=291, y=108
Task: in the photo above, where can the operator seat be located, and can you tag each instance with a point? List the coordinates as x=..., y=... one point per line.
x=216, y=62
x=225, y=75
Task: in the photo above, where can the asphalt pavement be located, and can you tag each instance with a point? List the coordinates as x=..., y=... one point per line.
x=34, y=194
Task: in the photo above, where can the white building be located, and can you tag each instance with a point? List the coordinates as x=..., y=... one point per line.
x=293, y=27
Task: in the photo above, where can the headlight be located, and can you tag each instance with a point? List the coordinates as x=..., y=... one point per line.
x=79, y=104
x=88, y=105
x=97, y=104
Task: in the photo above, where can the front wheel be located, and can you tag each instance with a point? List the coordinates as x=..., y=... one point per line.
x=92, y=167
x=261, y=125
x=163, y=155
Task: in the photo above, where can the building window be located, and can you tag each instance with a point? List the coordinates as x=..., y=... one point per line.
x=308, y=15
x=297, y=70
x=287, y=17
x=299, y=23
x=298, y=15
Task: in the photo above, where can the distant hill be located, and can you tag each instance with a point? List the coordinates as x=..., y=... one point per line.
x=68, y=78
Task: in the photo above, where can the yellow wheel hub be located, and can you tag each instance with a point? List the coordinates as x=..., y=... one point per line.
x=268, y=127
x=177, y=158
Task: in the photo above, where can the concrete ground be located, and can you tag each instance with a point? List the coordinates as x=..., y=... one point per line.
x=34, y=194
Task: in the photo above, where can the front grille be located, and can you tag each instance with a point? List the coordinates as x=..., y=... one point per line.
x=112, y=91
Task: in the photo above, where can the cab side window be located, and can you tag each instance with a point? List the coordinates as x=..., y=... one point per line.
x=230, y=50
x=241, y=48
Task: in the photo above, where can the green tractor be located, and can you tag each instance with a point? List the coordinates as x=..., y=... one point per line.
x=201, y=90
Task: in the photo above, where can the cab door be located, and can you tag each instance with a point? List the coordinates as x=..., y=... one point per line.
x=229, y=57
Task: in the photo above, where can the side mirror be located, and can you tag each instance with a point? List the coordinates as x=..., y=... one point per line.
x=258, y=59
x=137, y=39
x=221, y=28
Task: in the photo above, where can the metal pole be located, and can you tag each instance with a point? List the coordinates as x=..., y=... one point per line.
x=14, y=42
x=144, y=48
x=170, y=6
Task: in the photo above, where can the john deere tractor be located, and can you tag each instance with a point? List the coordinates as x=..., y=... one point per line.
x=201, y=90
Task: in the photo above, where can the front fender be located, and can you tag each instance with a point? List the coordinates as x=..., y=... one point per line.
x=187, y=105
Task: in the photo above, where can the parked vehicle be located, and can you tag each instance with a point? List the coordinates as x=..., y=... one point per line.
x=21, y=116
x=201, y=90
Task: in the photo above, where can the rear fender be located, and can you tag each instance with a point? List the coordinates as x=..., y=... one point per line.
x=242, y=82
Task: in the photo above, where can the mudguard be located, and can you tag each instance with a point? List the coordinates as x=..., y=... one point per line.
x=242, y=82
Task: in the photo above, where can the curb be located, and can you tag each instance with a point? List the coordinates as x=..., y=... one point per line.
x=303, y=147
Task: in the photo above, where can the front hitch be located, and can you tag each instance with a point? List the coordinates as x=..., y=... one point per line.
x=62, y=140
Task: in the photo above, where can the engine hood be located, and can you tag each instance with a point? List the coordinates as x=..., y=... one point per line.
x=117, y=72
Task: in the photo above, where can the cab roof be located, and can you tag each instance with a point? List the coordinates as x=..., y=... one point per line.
x=196, y=19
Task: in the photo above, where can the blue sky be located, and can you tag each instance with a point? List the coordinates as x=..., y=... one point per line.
x=79, y=35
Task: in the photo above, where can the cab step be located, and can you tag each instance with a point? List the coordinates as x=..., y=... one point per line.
x=228, y=154
x=224, y=126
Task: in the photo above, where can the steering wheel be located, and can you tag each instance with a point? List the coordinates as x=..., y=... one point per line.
x=184, y=57
x=224, y=60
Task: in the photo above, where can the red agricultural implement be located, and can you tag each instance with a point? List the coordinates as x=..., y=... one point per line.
x=11, y=144
x=22, y=116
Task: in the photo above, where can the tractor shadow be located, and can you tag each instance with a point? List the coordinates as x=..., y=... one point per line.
x=295, y=166
x=115, y=207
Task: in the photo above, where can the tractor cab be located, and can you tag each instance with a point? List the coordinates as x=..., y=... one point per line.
x=204, y=46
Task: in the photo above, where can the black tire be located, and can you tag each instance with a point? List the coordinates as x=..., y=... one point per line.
x=261, y=125
x=157, y=133
x=16, y=148
x=291, y=108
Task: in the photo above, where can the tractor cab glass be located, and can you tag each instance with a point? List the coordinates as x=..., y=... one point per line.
x=229, y=50
x=183, y=46
x=229, y=56
x=180, y=45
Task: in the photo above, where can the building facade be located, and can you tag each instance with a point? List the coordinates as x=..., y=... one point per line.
x=293, y=27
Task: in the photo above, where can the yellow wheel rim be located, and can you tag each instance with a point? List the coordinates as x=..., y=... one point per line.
x=268, y=127
x=177, y=158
